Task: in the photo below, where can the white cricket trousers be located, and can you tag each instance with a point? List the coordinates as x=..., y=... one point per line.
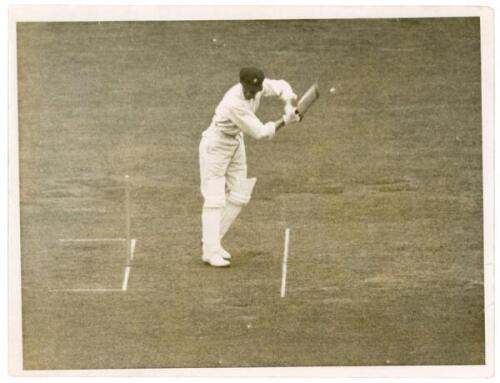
x=222, y=163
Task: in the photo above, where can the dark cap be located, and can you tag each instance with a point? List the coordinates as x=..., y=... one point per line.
x=252, y=78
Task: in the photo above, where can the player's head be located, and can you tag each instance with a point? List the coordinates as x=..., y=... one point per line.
x=251, y=79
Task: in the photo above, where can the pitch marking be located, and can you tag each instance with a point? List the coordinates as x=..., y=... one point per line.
x=285, y=262
x=132, y=249
x=127, y=268
x=125, y=278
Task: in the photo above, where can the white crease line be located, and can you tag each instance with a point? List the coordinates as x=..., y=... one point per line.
x=132, y=248
x=125, y=278
x=91, y=239
x=127, y=268
x=285, y=262
x=84, y=290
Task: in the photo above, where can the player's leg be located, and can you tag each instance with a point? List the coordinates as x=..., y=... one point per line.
x=240, y=188
x=212, y=171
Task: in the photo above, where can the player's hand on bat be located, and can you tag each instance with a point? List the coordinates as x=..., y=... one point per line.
x=289, y=107
x=291, y=115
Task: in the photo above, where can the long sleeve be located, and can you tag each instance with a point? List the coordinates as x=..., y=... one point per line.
x=234, y=113
x=249, y=123
x=279, y=88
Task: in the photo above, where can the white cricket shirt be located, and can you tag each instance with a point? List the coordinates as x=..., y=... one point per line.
x=235, y=114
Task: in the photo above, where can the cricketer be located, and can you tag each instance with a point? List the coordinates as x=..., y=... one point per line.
x=223, y=165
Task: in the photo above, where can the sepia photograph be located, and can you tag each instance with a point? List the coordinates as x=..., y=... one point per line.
x=218, y=189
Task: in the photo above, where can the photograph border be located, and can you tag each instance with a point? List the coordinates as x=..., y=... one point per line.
x=235, y=12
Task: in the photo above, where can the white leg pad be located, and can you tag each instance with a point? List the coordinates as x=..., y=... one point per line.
x=214, y=194
x=229, y=215
x=238, y=197
x=242, y=191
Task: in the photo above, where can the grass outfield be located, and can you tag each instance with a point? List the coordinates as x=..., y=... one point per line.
x=380, y=185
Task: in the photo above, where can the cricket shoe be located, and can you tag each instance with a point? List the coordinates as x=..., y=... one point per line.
x=215, y=260
x=225, y=254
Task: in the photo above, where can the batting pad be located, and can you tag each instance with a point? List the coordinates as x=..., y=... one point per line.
x=242, y=191
x=229, y=215
x=214, y=193
x=238, y=197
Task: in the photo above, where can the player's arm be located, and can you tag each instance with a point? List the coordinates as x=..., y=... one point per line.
x=284, y=91
x=281, y=89
x=250, y=124
x=305, y=102
x=289, y=117
x=278, y=88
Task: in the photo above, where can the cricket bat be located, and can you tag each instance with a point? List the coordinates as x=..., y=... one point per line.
x=303, y=105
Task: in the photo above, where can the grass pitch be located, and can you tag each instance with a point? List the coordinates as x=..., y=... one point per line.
x=381, y=186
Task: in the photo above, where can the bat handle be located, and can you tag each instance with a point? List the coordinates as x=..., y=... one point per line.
x=280, y=123
x=301, y=116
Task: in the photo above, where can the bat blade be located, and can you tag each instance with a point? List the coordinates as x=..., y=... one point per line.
x=304, y=103
x=307, y=100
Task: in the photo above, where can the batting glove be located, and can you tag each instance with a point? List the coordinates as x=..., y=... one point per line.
x=291, y=116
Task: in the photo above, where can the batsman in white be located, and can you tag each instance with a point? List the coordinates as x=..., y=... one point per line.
x=223, y=164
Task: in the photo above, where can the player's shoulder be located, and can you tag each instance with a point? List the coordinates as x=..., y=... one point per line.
x=235, y=92
x=234, y=97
